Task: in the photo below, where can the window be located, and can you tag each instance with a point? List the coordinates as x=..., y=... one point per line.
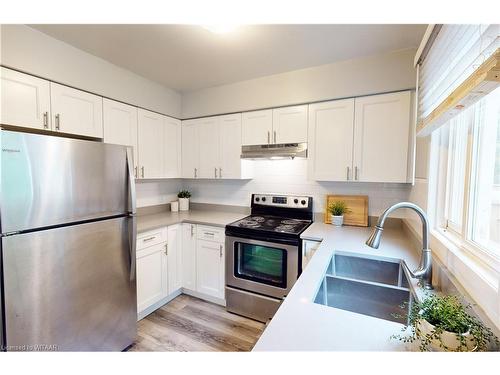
x=470, y=212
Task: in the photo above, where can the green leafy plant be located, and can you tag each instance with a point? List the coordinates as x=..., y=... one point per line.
x=446, y=313
x=184, y=194
x=338, y=208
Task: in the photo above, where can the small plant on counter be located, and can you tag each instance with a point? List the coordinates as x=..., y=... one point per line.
x=337, y=209
x=442, y=323
x=184, y=194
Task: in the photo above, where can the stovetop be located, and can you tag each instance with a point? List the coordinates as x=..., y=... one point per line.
x=274, y=224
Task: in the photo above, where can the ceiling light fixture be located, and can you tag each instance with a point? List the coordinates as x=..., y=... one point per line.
x=220, y=28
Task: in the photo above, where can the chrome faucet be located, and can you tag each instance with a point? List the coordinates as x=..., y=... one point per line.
x=424, y=271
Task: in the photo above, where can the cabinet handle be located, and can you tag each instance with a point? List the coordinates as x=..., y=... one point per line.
x=195, y=172
x=148, y=239
x=45, y=120
x=192, y=230
x=209, y=234
x=58, y=121
x=347, y=176
x=356, y=177
x=142, y=172
x=268, y=137
x=275, y=136
x=220, y=172
x=135, y=171
x=215, y=172
x=166, y=249
x=220, y=251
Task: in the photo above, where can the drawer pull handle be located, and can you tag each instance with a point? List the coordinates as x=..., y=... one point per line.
x=209, y=234
x=148, y=239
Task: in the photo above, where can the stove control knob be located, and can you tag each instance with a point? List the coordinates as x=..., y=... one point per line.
x=295, y=201
x=257, y=199
x=303, y=201
x=263, y=199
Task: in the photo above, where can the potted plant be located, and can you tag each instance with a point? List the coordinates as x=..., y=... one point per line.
x=442, y=323
x=184, y=196
x=337, y=209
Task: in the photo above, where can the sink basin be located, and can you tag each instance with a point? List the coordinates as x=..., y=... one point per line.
x=370, y=287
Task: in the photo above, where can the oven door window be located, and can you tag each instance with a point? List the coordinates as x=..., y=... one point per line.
x=262, y=264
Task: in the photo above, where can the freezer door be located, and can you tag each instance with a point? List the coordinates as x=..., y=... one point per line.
x=48, y=180
x=70, y=288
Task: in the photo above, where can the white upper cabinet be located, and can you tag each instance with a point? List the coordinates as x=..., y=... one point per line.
x=231, y=166
x=172, y=148
x=257, y=127
x=381, y=137
x=24, y=100
x=150, y=144
x=190, y=149
x=208, y=136
x=331, y=129
x=290, y=124
x=120, y=125
x=75, y=111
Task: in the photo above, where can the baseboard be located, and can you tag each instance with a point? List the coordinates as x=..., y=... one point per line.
x=142, y=314
x=192, y=293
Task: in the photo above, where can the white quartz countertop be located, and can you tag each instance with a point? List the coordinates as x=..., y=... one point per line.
x=206, y=217
x=302, y=325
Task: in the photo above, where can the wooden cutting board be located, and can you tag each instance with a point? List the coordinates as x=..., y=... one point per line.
x=358, y=206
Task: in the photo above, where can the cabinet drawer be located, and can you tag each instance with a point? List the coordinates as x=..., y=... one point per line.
x=151, y=238
x=210, y=233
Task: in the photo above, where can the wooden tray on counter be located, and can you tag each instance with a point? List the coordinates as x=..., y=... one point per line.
x=358, y=206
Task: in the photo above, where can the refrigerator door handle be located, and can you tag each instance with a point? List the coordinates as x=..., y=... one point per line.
x=133, y=245
x=131, y=179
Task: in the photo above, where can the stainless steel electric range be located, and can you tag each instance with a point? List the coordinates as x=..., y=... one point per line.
x=264, y=254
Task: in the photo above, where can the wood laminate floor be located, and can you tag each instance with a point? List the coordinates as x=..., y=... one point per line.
x=190, y=324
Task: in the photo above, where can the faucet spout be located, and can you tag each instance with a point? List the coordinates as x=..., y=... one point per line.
x=424, y=271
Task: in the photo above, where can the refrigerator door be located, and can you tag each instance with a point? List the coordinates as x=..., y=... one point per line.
x=71, y=288
x=47, y=181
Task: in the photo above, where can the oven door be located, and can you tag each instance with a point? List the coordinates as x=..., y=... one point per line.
x=263, y=267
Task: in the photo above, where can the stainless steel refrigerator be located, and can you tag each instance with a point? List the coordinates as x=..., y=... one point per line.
x=67, y=224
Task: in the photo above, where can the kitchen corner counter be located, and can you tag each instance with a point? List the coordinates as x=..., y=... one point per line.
x=217, y=218
x=302, y=325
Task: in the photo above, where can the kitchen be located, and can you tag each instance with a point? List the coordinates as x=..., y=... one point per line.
x=166, y=204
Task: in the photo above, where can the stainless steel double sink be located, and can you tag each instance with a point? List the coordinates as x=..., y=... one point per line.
x=377, y=288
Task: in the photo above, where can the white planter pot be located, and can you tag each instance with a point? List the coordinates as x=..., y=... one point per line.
x=183, y=204
x=174, y=206
x=337, y=220
x=449, y=339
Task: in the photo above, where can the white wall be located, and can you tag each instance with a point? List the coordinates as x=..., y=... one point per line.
x=290, y=177
x=33, y=52
x=152, y=193
x=388, y=72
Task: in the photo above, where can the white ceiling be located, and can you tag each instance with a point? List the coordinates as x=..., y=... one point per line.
x=189, y=57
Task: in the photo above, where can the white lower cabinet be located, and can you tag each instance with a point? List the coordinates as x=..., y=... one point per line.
x=174, y=258
x=151, y=276
x=189, y=256
x=210, y=268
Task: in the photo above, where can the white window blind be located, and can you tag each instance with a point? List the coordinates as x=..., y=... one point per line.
x=456, y=52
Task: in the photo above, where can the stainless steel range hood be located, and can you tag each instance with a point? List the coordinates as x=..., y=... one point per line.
x=275, y=151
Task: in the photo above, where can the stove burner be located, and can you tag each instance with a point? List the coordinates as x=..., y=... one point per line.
x=290, y=221
x=258, y=219
x=249, y=224
x=284, y=228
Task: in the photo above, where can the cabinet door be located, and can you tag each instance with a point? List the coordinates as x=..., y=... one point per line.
x=189, y=256
x=172, y=148
x=151, y=276
x=230, y=146
x=381, y=137
x=208, y=133
x=75, y=111
x=150, y=144
x=174, y=256
x=24, y=100
x=210, y=268
x=290, y=124
x=190, y=149
x=256, y=127
x=120, y=125
x=331, y=128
